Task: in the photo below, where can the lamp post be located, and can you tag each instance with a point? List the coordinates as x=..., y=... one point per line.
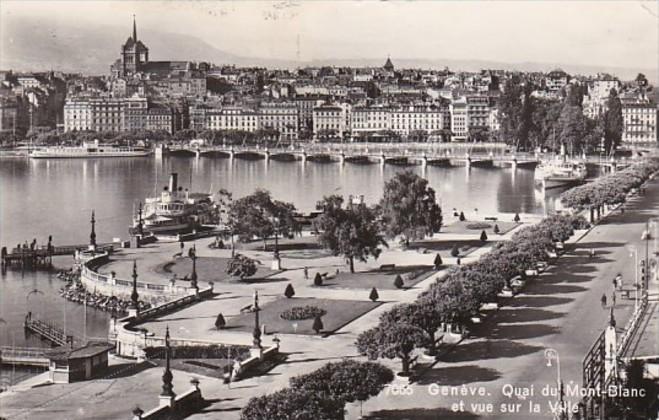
x=276, y=264
x=551, y=354
x=634, y=250
x=193, y=276
x=257, y=328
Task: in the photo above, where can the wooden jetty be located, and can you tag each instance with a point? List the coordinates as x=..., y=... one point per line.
x=49, y=332
x=33, y=257
x=23, y=356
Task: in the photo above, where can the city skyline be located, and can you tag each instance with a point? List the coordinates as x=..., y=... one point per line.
x=622, y=34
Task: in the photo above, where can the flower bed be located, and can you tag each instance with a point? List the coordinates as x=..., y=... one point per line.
x=478, y=226
x=298, y=313
x=212, y=351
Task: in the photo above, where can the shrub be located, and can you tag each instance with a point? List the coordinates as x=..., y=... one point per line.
x=220, y=322
x=374, y=294
x=496, y=229
x=398, y=282
x=318, y=324
x=318, y=280
x=483, y=236
x=438, y=261
x=455, y=251
x=298, y=313
x=289, y=292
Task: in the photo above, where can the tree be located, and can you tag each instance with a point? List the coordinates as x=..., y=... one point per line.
x=496, y=229
x=641, y=80
x=516, y=219
x=398, y=282
x=351, y=231
x=516, y=107
x=241, y=266
x=259, y=216
x=483, y=236
x=318, y=280
x=478, y=134
x=422, y=313
x=220, y=323
x=318, y=324
x=392, y=340
x=347, y=380
x=613, y=124
x=289, y=292
x=573, y=127
x=293, y=403
x=409, y=207
x=438, y=261
x=462, y=217
x=374, y=294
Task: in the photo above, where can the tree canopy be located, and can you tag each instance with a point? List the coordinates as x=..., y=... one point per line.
x=347, y=380
x=350, y=231
x=259, y=216
x=392, y=340
x=292, y=403
x=409, y=208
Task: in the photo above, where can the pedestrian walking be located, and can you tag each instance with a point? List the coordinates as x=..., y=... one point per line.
x=613, y=298
x=592, y=253
x=306, y=273
x=603, y=300
x=618, y=281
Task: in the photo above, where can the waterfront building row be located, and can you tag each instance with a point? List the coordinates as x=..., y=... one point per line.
x=122, y=114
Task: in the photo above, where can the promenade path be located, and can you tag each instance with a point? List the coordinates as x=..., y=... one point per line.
x=304, y=353
x=560, y=310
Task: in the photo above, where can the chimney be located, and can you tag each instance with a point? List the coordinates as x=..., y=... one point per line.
x=173, y=182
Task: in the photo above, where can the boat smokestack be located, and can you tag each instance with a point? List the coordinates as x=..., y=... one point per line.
x=173, y=181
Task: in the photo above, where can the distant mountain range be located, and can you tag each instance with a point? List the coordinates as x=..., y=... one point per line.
x=37, y=45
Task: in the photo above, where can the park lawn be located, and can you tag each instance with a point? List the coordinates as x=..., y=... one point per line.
x=444, y=247
x=209, y=269
x=468, y=227
x=379, y=278
x=338, y=314
x=303, y=247
x=213, y=368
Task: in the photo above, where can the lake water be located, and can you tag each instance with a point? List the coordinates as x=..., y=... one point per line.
x=55, y=197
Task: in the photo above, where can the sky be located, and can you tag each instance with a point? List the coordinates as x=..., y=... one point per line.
x=611, y=33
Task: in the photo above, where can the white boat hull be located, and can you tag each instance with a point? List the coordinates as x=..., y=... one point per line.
x=66, y=155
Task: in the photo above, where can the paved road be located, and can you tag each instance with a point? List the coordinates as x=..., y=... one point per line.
x=561, y=310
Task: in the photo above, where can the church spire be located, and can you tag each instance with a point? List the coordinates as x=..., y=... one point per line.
x=134, y=29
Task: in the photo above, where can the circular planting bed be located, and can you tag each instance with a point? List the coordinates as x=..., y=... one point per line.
x=298, y=313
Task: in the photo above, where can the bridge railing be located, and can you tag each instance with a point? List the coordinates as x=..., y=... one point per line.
x=89, y=275
x=632, y=327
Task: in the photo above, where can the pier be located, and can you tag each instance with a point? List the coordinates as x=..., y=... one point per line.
x=23, y=356
x=32, y=257
x=50, y=332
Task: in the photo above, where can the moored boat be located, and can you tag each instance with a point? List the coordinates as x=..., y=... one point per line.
x=89, y=150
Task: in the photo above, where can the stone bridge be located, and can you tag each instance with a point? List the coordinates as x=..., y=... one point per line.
x=424, y=154
x=389, y=154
